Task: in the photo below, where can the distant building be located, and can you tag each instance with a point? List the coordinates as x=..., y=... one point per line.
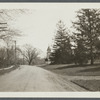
x=48, y=54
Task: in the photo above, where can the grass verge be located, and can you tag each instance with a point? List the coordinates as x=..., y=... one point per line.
x=74, y=70
x=8, y=70
x=91, y=85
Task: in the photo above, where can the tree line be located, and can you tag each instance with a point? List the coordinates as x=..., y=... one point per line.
x=83, y=45
x=10, y=52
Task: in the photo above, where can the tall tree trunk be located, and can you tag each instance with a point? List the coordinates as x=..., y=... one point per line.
x=29, y=63
x=7, y=57
x=91, y=46
x=91, y=54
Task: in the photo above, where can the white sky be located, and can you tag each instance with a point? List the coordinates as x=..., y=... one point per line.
x=39, y=25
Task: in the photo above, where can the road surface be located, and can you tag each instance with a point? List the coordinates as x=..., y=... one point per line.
x=32, y=79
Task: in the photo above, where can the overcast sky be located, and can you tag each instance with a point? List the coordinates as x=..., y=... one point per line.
x=38, y=25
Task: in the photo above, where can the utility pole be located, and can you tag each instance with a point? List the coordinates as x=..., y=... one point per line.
x=3, y=28
x=23, y=59
x=2, y=23
x=15, y=51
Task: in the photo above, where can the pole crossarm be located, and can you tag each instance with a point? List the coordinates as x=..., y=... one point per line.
x=2, y=30
x=3, y=23
x=2, y=27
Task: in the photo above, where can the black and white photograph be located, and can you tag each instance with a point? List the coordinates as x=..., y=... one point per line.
x=49, y=47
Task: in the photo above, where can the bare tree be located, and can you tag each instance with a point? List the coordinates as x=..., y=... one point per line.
x=3, y=57
x=9, y=40
x=30, y=53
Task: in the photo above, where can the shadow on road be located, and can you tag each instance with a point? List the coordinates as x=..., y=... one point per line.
x=72, y=66
x=91, y=70
x=75, y=66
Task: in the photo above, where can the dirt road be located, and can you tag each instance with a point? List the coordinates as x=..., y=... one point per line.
x=32, y=79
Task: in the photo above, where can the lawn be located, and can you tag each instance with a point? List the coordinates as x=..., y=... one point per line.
x=74, y=70
x=91, y=85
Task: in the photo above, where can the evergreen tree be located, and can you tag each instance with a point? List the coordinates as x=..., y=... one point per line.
x=81, y=55
x=88, y=29
x=62, y=47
